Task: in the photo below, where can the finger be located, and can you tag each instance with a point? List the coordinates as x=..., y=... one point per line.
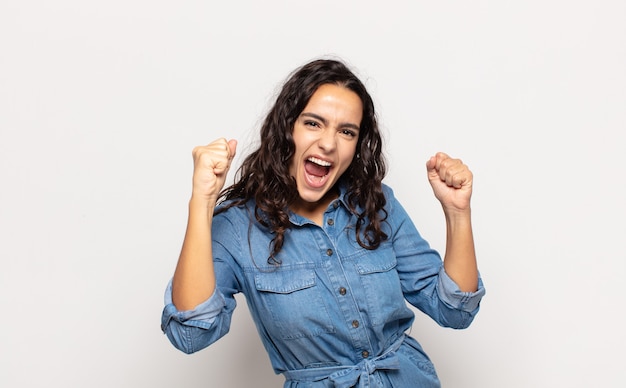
x=436, y=162
x=431, y=164
x=449, y=170
x=439, y=166
x=459, y=176
x=212, y=155
x=224, y=153
x=456, y=180
x=441, y=159
x=221, y=166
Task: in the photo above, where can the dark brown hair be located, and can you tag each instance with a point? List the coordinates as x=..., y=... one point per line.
x=264, y=174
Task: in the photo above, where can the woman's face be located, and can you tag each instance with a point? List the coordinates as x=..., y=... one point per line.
x=325, y=135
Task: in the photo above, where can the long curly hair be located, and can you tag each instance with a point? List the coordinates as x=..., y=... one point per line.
x=264, y=174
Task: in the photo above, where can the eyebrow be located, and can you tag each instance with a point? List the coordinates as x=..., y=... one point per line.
x=325, y=122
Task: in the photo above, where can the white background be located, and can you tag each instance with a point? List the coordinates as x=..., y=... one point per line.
x=102, y=102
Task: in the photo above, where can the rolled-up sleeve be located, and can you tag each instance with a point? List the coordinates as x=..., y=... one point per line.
x=203, y=315
x=193, y=330
x=450, y=294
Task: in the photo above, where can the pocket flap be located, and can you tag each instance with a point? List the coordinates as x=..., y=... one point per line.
x=285, y=281
x=381, y=261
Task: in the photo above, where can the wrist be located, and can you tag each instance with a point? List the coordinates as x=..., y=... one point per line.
x=200, y=203
x=453, y=214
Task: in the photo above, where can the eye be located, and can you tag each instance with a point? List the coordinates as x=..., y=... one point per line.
x=311, y=123
x=349, y=133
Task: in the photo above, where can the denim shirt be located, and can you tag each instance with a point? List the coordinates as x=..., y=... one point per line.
x=332, y=314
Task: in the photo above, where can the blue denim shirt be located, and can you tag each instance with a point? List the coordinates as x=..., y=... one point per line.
x=333, y=314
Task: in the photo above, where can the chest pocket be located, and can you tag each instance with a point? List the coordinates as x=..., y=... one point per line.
x=381, y=284
x=292, y=304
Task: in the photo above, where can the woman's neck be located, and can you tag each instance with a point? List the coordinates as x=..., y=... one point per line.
x=314, y=211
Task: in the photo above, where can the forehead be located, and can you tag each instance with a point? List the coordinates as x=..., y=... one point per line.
x=336, y=100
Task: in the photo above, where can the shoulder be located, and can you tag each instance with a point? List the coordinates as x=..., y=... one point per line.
x=396, y=213
x=387, y=191
x=390, y=197
x=227, y=213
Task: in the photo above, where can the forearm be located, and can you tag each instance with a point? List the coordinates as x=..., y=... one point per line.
x=194, y=278
x=460, y=257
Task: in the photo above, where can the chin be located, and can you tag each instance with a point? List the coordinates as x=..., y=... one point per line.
x=312, y=197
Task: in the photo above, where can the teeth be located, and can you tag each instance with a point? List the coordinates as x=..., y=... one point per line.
x=320, y=162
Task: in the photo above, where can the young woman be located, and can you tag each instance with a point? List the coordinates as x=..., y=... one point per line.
x=324, y=253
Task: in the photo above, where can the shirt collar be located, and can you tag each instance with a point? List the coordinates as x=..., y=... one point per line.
x=341, y=200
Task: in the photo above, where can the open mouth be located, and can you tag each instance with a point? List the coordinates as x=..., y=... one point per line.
x=316, y=168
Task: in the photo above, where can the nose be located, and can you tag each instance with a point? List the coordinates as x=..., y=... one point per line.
x=328, y=140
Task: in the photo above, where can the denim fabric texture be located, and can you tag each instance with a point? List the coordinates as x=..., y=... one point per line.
x=332, y=314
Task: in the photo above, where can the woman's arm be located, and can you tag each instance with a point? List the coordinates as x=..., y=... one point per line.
x=452, y=181
x=194, y=278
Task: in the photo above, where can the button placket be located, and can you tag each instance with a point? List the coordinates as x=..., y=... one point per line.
x=340, y=278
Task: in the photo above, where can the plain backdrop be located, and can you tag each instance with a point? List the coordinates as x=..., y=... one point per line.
x=102, y=102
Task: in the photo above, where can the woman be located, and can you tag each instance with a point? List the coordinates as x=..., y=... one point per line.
x=322, y=250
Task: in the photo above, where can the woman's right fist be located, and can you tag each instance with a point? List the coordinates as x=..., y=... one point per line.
x=211, y=164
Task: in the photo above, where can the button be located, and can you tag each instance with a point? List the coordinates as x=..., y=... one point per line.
x=342, y=290
x=329, y=252
x=336, y=204
x=355, y=323
x=330, y=222
x=365, y=354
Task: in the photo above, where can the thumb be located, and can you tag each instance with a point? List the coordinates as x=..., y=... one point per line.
x=431, y=164
x=232, y=147
x=432, y=168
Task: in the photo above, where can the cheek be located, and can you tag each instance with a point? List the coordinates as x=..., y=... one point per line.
x=350, y=153
x=292, y=166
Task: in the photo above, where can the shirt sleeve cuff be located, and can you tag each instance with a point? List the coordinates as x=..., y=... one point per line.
x=202, y=315
x=450, y=293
